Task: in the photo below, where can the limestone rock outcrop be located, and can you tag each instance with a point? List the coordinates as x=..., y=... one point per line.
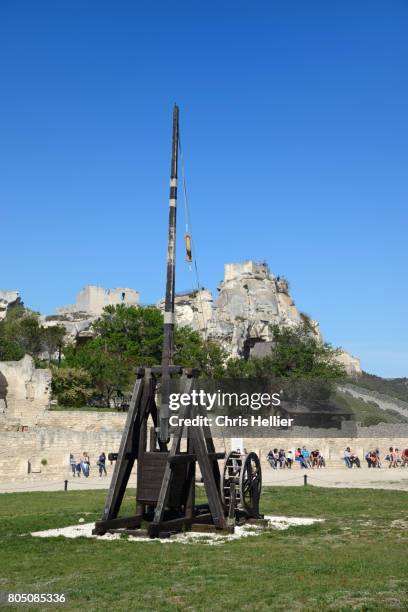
x=8, y=299
x=352, y=364
x=250, y=301
x=25, y=391
x=194, y=309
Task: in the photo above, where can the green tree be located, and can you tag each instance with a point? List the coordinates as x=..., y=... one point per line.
x=136, y=332
x=191, y=351
x=52, y=341
x=10, y=350
x=71, y=386
x=128, y=336
x=296, y=353
x=109, y=371
x=20, y=333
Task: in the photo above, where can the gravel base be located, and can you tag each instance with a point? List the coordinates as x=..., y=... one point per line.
x=84, y=530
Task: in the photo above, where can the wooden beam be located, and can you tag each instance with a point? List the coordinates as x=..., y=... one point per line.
x=181, y=458
x=186, y=457
x=172, y=525
x=125, y=521
x=135, y=533
x=173, y=369
x=202, y=528
x=209, y=478
x=124, y=463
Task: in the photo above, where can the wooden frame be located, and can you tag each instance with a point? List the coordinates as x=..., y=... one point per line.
x=165, y=498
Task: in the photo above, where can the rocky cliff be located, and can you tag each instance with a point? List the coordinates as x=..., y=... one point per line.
x=250, y=301
x=8, y=299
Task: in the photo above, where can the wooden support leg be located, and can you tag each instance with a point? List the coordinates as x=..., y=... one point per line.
x=190, y=502
x=147, y=399
x=210, y=447
x=127, y=454
x=207, y=472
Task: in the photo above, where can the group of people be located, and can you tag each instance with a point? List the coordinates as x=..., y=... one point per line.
x=82, y=465
x=278, y=458
x=394, y=457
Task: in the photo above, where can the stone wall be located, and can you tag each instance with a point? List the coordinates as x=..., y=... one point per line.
x=25, y=392
x=93, y=299
x=52, y=437
x=22, y=452
x=332, y=449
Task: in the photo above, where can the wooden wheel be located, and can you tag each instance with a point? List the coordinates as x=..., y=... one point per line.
x=250, y=484
x=241, y=483
x=230, y=480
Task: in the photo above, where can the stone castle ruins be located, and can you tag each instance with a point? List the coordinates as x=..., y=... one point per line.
x=250, y=301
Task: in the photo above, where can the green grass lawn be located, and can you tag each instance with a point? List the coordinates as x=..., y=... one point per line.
x=355, y=560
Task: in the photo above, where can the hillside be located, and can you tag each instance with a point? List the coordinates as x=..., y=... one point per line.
x=368, y=413
x=393, y=387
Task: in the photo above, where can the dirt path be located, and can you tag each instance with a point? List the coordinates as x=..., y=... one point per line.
x=383, y=478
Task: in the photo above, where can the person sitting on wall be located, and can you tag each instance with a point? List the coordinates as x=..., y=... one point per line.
x=347, y=457
x=355, y=460
x=322, y=462
x=315, y=458
x=372, y=459
x=271, y=459
x=300, y=458
x=395, y=458
x=79, y=467
x=404, y=457
x=282, y=458
x=306, y=456
x=289, y=459
x=389, y=456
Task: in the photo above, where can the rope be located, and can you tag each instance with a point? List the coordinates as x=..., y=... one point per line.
x=189, y=230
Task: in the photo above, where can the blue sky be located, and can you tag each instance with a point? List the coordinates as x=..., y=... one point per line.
x=294, y=129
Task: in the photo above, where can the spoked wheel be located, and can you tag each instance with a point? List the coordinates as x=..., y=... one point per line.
x=250, y=484
x=241, y=483
x=230, y=481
